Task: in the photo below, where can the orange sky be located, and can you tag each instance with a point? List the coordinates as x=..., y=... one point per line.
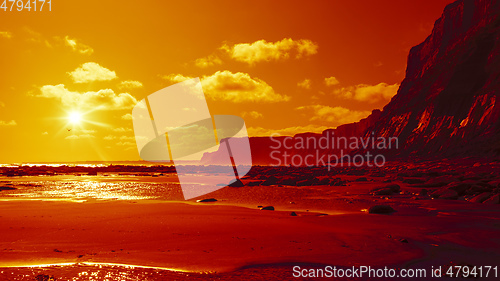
x=320, y=64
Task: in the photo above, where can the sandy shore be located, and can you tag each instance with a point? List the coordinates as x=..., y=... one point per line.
x=214, y=238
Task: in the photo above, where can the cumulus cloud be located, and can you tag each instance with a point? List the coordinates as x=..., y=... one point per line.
x=130, y=84
x=239, y=87
x=9, y=123
x=176, y=78
x=368, y=93
x=6, y=34
x=306, y=84
x=331, y=81
x=77, y=46
x=290, y=131
x=336, y=115
x=211, y=60
x=121, y=129
x=127, y=116
x=235, y=87
x=270, y=51
x=252, y=114
x=104, y=99
x=82, y=136
x=91, y=71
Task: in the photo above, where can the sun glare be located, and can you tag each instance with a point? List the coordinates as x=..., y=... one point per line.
x=75, y=118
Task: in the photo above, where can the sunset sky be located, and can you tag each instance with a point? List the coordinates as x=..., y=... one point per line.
x=284, y=66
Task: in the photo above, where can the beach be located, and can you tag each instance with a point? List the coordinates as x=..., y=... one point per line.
x=330, y=225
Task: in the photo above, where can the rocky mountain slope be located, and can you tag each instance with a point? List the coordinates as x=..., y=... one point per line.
x=447, y=104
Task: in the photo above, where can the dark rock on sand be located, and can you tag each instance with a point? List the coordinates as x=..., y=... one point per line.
x=495, y=199
x=448, y=194
x=7, y=188
x=272, y=180
x=361, y=179
x=413, y=181
x=381, y=209
x=267, y=208
x=481, y=197
x=460, y=188
x=254, y=183
x=387, y=190
x=293, y=214
x=206, y=200
x=403, y=240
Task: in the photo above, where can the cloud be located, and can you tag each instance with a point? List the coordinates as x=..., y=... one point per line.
x=336, y=115
x=252, y=114
x=205, y=62
x=10, y=123
x=235, y=87
x=78, y=47
x=91, y=71
x=127, y=116
x=306, y=84
x=270, y=51
x=104, y=99
x=82, y=136
x=45, y=133
x=290, y=131
x=121, y=129
x=176, y=78
x=130, y=84
x=368, y=93
x=5, y=34
x=239, y=87
x=331, y=81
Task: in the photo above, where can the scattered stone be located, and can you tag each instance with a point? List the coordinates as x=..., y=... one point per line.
x=206, y=200
x=7, y=188
x=254, y=183
x=387, y=190
x=460, y=188
x=481, y=197
x=272, y=180
x=293, y=214
x=495, y=199
x=413, y=181
x=361, y=179
x=267, y=208
x=381, y=209
x=448, y=194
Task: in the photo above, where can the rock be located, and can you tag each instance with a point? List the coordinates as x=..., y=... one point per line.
x=381, y=209
x=403, y=240
x=460, y=188
x=448, y=194
x=206, y=200
x=383, y=191
x=237, y=183
x=361, y=179
x=267, y=208
x=423, y=192
x=386, y=190
x=413, y=181
x=495, y=199
x=288, y=181
x=272, y=180
x=293, y=214
x=481, y=197
x=7, y=188
x=254, y=183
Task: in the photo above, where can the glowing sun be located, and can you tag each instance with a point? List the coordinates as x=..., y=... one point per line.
x=75, y=118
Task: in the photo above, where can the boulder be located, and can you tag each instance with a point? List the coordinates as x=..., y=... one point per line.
x=381, y=209
x=267, y=208
x=495, y=199
x=481, y=197
x=206, y=200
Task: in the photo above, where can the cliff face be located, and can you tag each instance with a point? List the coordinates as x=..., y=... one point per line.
x=448, y=103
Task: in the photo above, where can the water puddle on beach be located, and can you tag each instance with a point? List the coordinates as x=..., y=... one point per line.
x=118, y=272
